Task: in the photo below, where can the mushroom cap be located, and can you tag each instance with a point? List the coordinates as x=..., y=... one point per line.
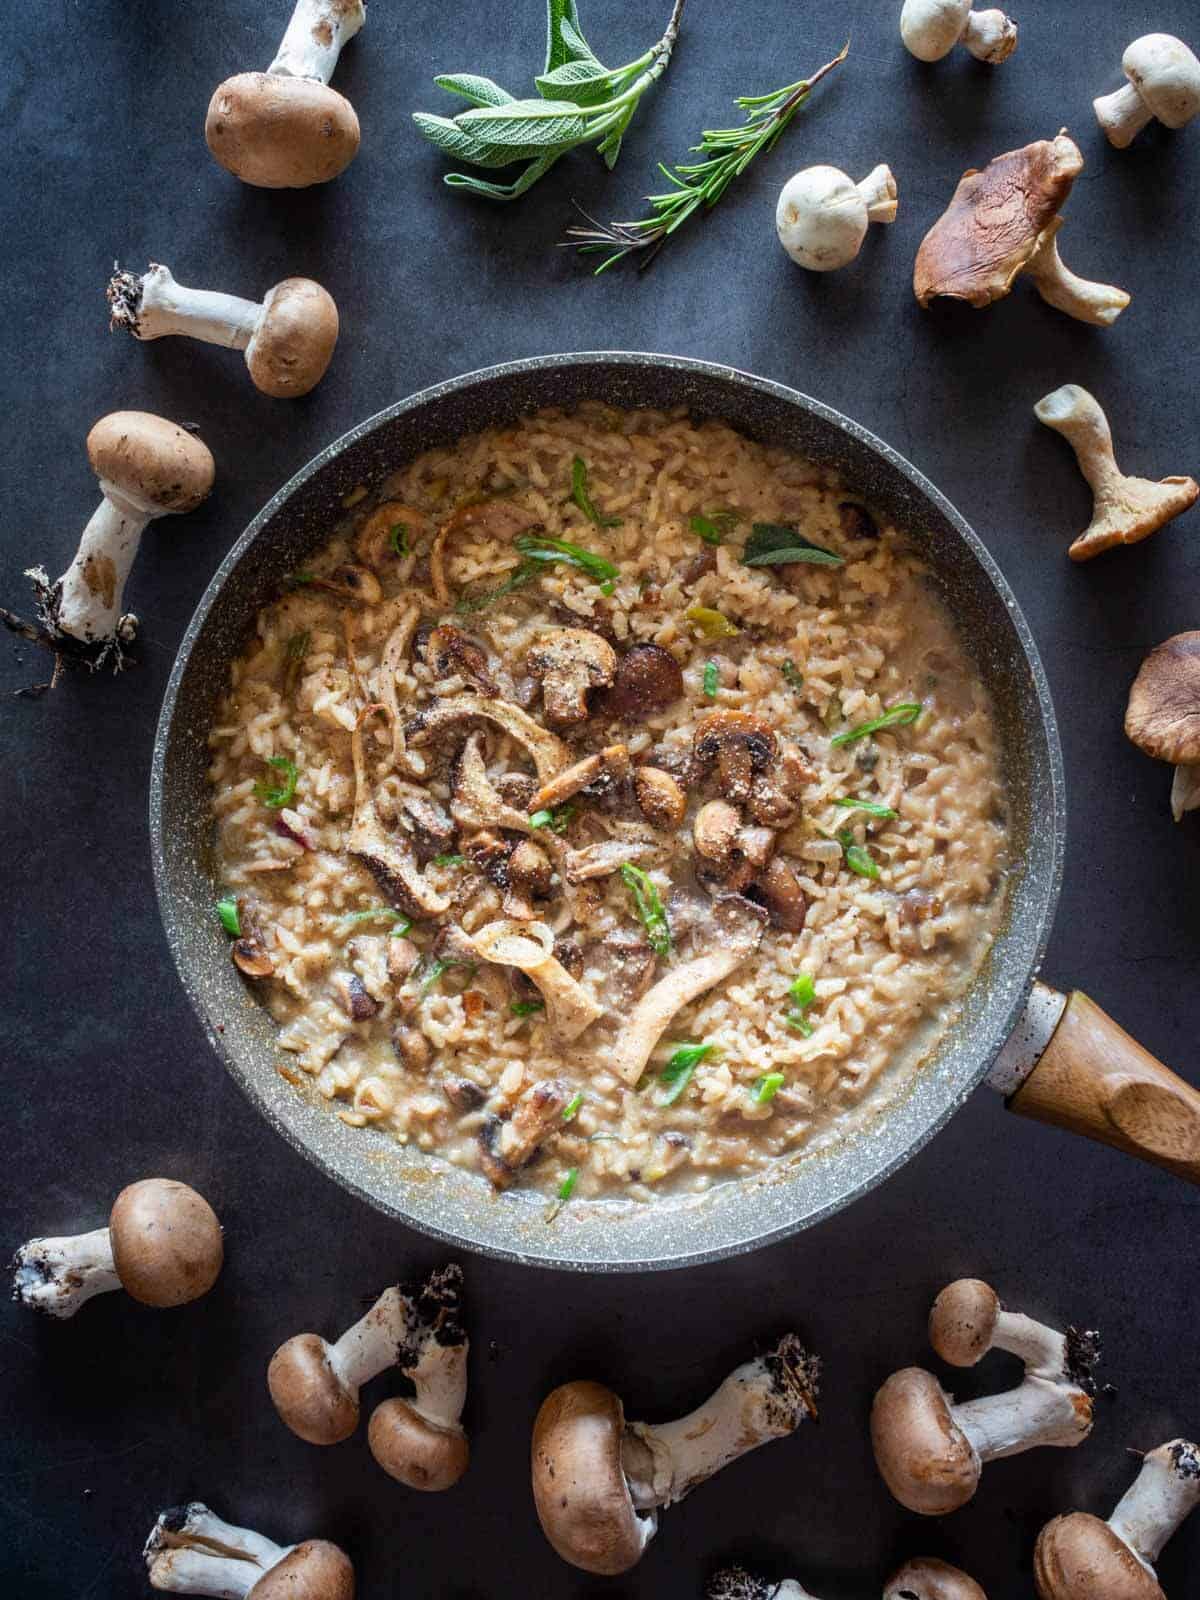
x=293, y=343
x=314, y=1570
x=419, y=1453
x=308, y=1395
x=153, y=462
x=821, y=218
x=648, y=678
x=570, y=661
x=926, y=1578
x=963, y=1320
x=579, y=1488
x=277, y=132
x=166, y=1242
x=993, y=222
x=931, y=28
x=1167, y=76
x=1078, y=1557
x=922, y=1454
x=1163, y=714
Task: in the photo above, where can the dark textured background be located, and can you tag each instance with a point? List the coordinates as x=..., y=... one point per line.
x=106, y=1076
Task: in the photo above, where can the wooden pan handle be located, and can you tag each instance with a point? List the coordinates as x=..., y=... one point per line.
x=1095, y=1080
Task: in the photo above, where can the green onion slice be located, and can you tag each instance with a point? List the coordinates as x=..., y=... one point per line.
x=450, y=861
x=377, y=914
x=537, y=547
x=802, y=992
x=283, y=794
x=526, y=1008
x=567, y=1187
x=897, y=716
x=556, y=818
x=859, y=860
x=517, y=579
x=713, y=527
x=767, y=1088
x=398, y=538
x=227, y=910
x=711, y=679
x=571, y=1109
x=677, y=1073
x=792, y=675
x=871, y=807
x=582, y=498
x=649, y=908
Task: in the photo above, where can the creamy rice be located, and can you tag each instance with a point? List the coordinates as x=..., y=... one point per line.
x=440, y=1057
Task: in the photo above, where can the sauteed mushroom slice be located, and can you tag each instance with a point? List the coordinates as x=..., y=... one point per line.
x=662, y=801
x=192, y=1551
x=648, y=678
x=529, y=879
x=547, y=752
x=739, y=744
x=448, y=650
x=388, y=859
x=599, y=771
x=779, y=889
x=476, y=803
x=529, y=947
x=506, y=1144
x=602, y=859
x=569, y=662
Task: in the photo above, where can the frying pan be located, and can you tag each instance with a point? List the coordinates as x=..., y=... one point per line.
x=1061, y=1060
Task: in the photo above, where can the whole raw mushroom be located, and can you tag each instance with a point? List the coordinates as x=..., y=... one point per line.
x=193, y=1551
x=1164, y=84
x=1163, y=715
x=923, y=1578
x=822, y=216
x=931, y=28
x=285, y=128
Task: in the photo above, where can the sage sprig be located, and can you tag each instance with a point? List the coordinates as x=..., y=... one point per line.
x=582, y=102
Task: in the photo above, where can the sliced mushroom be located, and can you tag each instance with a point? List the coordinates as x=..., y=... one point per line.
x=737, y=930
x=517, y=789
x=569, y=662
x=402, y=957
x=376, y=541
x=508, y=1144
x=768, y=804
x=448, y=650
x=627, y=962
x=741, y=746
x=411, y=1047
x=496, y=519
x=663, y=803
x=547, y=752
x=648, y=678
x=249, y=955
x=351, y=582
x=602, y=859
x=490, y=854
x=600, y=771
x=714, y=828
x=394, y=651
x=352, y=996
x=779, y=889
x=529, y=877
x=529, y=946
x=434, y=830
x=389, y=860
x=475, y=803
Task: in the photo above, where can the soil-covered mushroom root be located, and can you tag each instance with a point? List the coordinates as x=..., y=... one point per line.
x=931, y=28
x=1079, y=1557
x=315, y=1384
x=1163, y=86
x=1003, y=221
x=931, y=1451
x=923, y=1578
x=1125, y=510
x=1162, y=716
x=287, y=337
x=599, y=1480
x=162, y=1245
x=822, y=216
x=285, y=128
x=193, y=1551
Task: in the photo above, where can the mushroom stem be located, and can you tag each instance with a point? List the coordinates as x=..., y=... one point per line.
x=57, y=1276
x=529, y=946
x=1098, y=303
x=440, y=1380
x=155, y=306
x=370, y=1346
x=1122, y=114
x=1041, y=1349
x=313, y=42
x=1165, y=1491
x=86, y=601
x=193, y=1551
x=878, y=190
x=990, y=36
x=1037, y=1412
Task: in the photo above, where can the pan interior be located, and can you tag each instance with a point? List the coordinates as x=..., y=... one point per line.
x=421, y=1189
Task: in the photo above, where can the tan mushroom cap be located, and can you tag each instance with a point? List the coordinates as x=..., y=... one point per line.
x=1078, y=1557
x=579, y=1488
x=308, y=1395
x=923, y=1456
x=926, y=1578
x=993, y=223
x=1167, y=76
x=963, y=1320
x=414, y=1450
x=1163, y=714
x=152, y=461
x=278, y=132
x=166, y=1242
x=314, y=1570
x=293, y=345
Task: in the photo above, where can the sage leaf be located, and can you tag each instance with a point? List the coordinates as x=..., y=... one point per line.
x=479, y=91
x=502, y=191
x=771, y=544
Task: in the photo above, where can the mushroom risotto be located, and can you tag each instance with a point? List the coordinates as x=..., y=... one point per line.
x=609, y=806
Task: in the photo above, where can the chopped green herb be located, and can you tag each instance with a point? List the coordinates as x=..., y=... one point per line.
x=871, y=807
x=227, y=910
x=517, y=579
x=897, y=716
x=858, y=859
x=537, y=547
x=297, y=645
x=450, y=861
x=767, y=1088
x=712, y=679
x=771, y=544
x=713, y=528
x=802, y=992
x=556, y=818
x=594, y=1137
x=526, y=1008
x=792, y=675
x=677, y=1073
x=649, y=907
x=398, y=538
x=433, y=973
x=377, y=914
x=711, y=624
x=581, y=497
x=295, y=579
x=567, y=1187
x=282, y=795
x=571, y=1109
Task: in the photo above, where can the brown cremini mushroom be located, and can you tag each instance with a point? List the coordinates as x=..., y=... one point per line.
x=931, y=1451
x=448, y=650
x=661, y=800
x=285, y=128
x=1078, y=1557
x=1002, y=221
x=599, y=1480
x=923, y=1578
x=570, y=662
x=740, y=744
x=1124, y=510
x=163, y=1246
x=779, y=890
x=648, y=678
x=192, y=1551
x=1164, y=84
x=1163, y=715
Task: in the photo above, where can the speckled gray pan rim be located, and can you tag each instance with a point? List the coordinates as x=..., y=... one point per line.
x=418, y=1189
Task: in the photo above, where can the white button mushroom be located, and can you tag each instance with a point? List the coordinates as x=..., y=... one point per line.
x=822, y=217
x=148, y=467
x=1164, y=82
x=931, y=28
x=192, y=1551
x=288, y=337
x=162, y=1246
x=598, y=1480
x=285, y=128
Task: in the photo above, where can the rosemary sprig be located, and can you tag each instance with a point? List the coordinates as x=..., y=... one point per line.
x=699, y=185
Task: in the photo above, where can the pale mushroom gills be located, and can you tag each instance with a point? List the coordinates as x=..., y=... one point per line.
x=541, y=905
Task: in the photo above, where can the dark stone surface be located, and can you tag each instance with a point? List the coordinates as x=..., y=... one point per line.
x=124, y=1411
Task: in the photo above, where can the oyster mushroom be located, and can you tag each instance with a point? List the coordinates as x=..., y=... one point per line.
x=475, y=802
x=529, y=879
x=388, y=858
x=569, y=662
x=1002, y=222
x=495, y=519
x=547, y=752
x=598, y=1480
x=931, y=28
x=600, y=771
x=606, y=856
x=648, y=678
x=192, y=1551
x=506, y=1144
x=741, y=746
x=1124, y=510
x=1164, y=83
x=448, y=650
x=529, y=947
x=1163, y=715
x=736, y=928
x=383, y=536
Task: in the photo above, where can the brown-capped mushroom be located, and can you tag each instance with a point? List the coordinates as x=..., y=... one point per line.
x=287, y=338
x=163, y=1246
x=924, y=1578
x=931, y=1451
x=648, y=678
x=1078, y=1557
x=448, y=650
x=547, y=752
x=352, y=995
x=660, y=798
x=1164, y=84
x=931, y=28
x=569, y=662
x=780, y=891
x=193, y=1551
x=285, y=128
x=509, y=1142
x=599, y=772
x=740, y=744
x=529, y=947
x=529, y=879
x=1163, y=715
x=1002, y=222
x=1124, y=510
x=599, y=1480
